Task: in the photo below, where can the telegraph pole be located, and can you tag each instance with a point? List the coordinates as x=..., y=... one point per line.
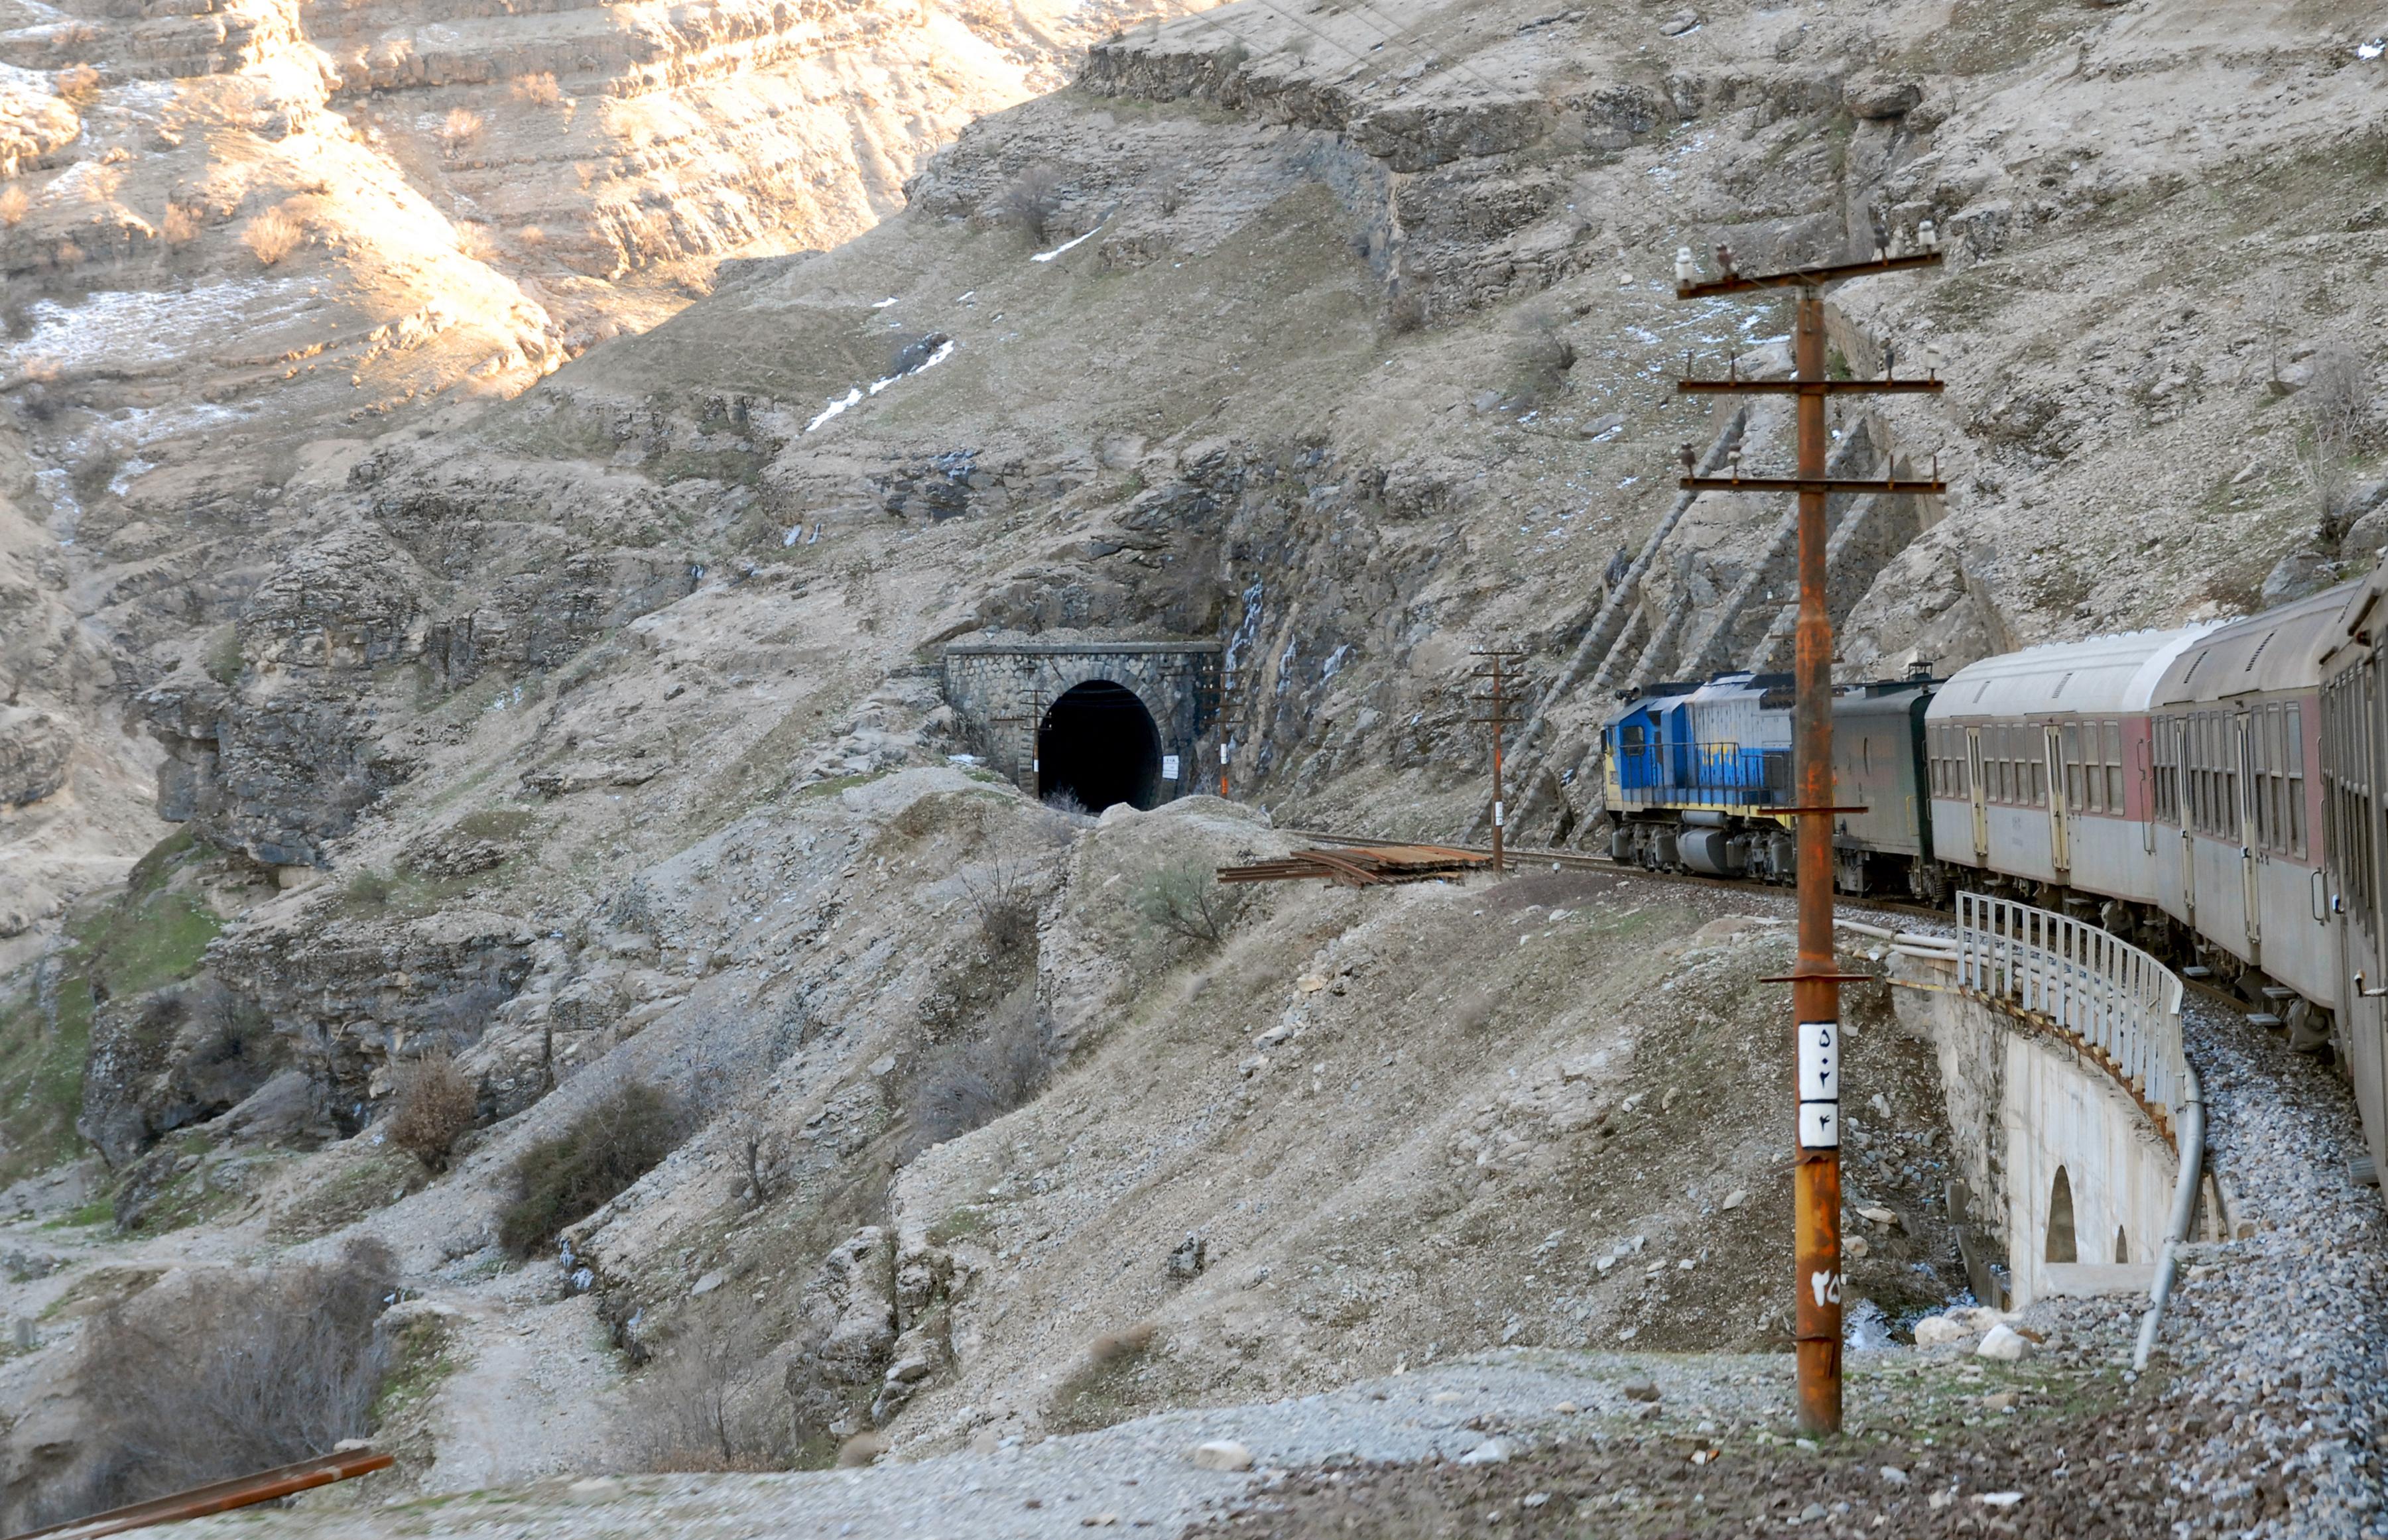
x=1500, y=700
x=1815, y=983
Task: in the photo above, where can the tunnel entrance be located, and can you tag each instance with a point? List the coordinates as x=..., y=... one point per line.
x=1100, y=745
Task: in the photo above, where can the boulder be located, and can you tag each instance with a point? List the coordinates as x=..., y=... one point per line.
x=1221, y=1454
x=1943, y=1330
x=34, y=746
x=1876, y=99
x=2002, y=1344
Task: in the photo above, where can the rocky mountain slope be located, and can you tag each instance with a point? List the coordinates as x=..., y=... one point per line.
x=592, y=735
x=241, y=241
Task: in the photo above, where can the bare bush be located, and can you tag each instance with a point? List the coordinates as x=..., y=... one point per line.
x=232, y=1373
x=708, y=1403
x=460, y=129
x=1007, y=910
x=181, y=226
x=14, y=206
x=435, y=1105
x=273, y=235
x=1540, y=357
x=762, y=1154
x=539, y=89
x=1172, y=180
x=531, y=235
x=1030, y=201
x=2337, y=402
x=1186, y=899
x=1064, y=802
x=971, y=1083
x=610, y=1144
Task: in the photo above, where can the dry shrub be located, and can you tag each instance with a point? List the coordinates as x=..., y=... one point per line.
x=610, y=1144
x=539, y=89
x=1123, y=1344
x=79, y=83
x=1006, y=911
x=462, y=126
x=435, y=1106
x=14, y=206
x=182, y=225
x=273, y=235
x=969, y=1084
x=66, y=255
x=1186, y=899
x=531, y=235
x=1405, y=307
x=1030, y=200
x=232, y=1373
x=473, y=240
x=2337, y=402
x=711, y=1402
x=861, y=1450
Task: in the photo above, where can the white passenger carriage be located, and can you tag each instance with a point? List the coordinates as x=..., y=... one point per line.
x=2236, y=728
x=2038, y=764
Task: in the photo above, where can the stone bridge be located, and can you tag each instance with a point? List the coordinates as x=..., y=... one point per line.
x=1104, y=722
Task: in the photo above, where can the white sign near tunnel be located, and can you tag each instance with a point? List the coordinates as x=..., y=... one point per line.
x=1169, y=767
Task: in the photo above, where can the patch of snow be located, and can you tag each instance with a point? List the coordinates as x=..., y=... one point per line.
x=792, y=535
x=944, y=350
x=1048, y=256
x=127, y=327
x=882, y=303
x=835, y=407
x=126, y=474
x=2373, y=49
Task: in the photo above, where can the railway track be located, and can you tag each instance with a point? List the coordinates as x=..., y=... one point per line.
x=1576, y=861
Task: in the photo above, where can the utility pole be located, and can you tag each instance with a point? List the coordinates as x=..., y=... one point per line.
x=1815, y=984
x=1230, y=699
x=1501, y=699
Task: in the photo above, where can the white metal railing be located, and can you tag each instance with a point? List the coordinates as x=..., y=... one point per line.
x=2108, y=993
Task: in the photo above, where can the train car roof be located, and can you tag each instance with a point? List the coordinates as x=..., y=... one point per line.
x=2102, y=675
x=2278, y=650
x=2351, y=641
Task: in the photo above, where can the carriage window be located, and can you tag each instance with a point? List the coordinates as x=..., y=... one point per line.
x=2069, y=746
x=2292, y=744
x=2112, y=735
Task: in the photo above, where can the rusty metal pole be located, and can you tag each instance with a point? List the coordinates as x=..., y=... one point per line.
x=1815, y=988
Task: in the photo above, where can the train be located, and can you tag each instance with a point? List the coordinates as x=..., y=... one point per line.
x=2213, y=793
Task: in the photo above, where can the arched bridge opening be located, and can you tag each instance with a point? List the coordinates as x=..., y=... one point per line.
x=1099, y=746
x=1105, y=722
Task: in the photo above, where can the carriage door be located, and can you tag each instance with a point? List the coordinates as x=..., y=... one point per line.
x=2188, y=761
x=2060, y=849
x=1980, y=795
x=2243, y=756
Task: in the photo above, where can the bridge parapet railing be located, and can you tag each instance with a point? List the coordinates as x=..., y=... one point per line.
x=2115, y=998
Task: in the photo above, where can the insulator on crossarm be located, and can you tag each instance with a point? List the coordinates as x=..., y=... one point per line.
x=1927, y=236
x=1725, y=259
x=1733, y=461
x=1687, y=270
x=1691, y=461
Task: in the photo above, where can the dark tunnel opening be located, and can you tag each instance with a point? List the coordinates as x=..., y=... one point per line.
x=1100, y=745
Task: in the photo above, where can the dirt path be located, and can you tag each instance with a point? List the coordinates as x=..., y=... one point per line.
x=530, y=1397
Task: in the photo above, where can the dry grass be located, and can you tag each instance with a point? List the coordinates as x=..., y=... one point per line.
x=461, y=127
x=435, y=1106
x=710, y=1402
x=79, y=83
x=181, y=226
x=273, y=235
x=539, y=89
x=474, y=240
x=14, y=206
x=531, y=235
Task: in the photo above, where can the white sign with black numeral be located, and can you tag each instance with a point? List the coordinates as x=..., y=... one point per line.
x=1820, y=1085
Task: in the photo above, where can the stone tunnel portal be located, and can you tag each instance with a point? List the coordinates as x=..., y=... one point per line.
x=1101, y=747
